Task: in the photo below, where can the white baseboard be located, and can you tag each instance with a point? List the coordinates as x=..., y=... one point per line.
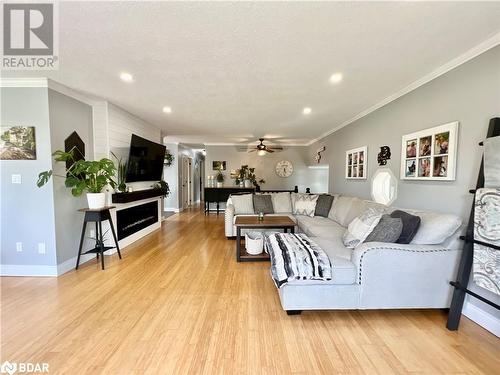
x=481, y=317
x=171, y=209
x=27, y=270
x=70, y=264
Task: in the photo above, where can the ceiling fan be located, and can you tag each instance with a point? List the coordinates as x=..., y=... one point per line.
x=262, y=149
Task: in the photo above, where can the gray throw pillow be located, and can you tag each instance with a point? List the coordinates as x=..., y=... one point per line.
x=411, y=223
x=323, y=205
x=387, y=230
x=263, y=203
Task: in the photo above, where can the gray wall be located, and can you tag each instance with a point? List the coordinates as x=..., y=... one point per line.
x=68, y=115
x=469, y=94
x=264, y=166
x=27, y=213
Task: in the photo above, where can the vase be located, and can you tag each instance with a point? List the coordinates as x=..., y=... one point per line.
x=96, y=200
x=248, y=183
x=219, y=184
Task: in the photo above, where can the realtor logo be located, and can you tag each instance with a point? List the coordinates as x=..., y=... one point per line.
x=29, y=36
x=8, y=368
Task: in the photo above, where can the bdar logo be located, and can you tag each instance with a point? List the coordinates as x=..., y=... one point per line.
x=8, y=368
x=28, y=29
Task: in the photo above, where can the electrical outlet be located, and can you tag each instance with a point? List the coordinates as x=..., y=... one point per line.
x=16, y=179
x=41, y=248
x=19, y=247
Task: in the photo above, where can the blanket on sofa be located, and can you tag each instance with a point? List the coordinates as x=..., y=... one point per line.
x=296, y=257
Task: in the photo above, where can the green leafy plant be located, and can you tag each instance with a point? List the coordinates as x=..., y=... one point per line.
x=163, y=186
x=83, y=175
x=121, y=173
x=220, y=176
x=247, y=173
x=169, y=158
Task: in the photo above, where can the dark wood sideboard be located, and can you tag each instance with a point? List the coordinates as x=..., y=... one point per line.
x=221, y=194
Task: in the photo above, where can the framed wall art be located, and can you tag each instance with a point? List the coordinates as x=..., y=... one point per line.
x=355, y=163
x=17, y=143
x=430, y=154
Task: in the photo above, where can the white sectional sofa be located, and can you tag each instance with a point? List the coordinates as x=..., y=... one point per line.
x=374, y=275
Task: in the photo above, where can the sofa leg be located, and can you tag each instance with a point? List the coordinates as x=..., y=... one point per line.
x=293, y=312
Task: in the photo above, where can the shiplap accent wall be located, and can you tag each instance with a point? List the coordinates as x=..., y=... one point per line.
x=100, y=129
x=121, y=126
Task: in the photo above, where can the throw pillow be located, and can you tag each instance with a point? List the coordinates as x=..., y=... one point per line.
x=323, y=205
x=361, y=227
x=243, y=204
x=305, y=204
x=411, y=223
x=282, y=202
x=387, y=230
x=263, y=203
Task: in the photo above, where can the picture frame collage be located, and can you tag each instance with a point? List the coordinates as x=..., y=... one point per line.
x=356, y=163
x=430, y=154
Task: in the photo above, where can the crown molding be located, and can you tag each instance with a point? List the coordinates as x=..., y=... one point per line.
x=456, y=62
x=23, y=82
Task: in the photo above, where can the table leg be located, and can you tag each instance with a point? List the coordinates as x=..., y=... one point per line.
x=238, y=243
x=292, y=229
x=101, y=244
x=217, y=207
x=81, y=243
x=115, y=238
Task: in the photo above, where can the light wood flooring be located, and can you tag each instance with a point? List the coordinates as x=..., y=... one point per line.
x=178, y=303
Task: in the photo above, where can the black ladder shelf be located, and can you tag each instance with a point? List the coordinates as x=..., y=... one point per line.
x=465, y=267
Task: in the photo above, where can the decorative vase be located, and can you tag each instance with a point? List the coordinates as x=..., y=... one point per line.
x=248, y=183
x=242, y=184
x=219, y=184
x=96, y=200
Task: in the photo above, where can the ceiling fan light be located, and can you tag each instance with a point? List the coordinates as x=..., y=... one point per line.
x=261, y=152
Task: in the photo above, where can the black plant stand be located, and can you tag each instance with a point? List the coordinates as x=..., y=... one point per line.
x=97, y=216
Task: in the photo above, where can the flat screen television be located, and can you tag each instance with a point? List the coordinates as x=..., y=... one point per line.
x=145, y=161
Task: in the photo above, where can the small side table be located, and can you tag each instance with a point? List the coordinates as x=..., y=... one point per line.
x=97, y=216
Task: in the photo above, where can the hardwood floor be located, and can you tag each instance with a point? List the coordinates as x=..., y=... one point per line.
x=178, y=303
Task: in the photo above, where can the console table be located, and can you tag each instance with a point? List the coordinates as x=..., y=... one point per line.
x=221, y=194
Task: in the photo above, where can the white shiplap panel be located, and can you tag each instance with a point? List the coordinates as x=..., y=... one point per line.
x=100, y=128
x=121, y=126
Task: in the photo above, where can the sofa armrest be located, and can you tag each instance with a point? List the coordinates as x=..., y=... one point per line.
x=228, y=220
x=378, y=252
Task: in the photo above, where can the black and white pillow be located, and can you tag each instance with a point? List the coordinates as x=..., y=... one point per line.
x=305, y=204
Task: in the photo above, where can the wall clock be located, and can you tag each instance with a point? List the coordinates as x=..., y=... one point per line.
x=284, y=168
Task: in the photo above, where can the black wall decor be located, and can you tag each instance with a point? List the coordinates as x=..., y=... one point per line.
x=384, y=155
x=74, y=143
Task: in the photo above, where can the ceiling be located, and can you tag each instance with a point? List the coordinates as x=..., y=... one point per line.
x=232, y=72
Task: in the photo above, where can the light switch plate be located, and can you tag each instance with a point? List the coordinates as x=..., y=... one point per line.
x=41, y=248
x=19, y=247
x=16, y=179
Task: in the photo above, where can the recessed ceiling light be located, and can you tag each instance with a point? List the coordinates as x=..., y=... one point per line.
x=336, y=78
x=167, y=110
x=126, y=77
x=306, y=111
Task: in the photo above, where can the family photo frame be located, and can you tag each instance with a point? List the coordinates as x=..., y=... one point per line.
x=355, y=163
x=430, y=154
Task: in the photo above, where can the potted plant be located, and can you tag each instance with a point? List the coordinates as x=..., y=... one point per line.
x=163, y=186
x=169, y=158
x=220, y=178
x=84, y=175
x=121, y=175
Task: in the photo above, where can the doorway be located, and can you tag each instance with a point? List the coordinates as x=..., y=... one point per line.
x=186, y=182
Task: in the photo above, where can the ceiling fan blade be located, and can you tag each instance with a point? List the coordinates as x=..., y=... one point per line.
x=269, y=150
x=252, y=150
x=275, y=148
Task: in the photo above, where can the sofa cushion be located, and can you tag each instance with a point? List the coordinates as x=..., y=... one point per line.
x=263, y=203
x=282, y=202
x=387, y=230
x=243, y=203
x=410, y=225
x=323, y=205
x=319, y=226
x=345, y=209
x=435, y=228
x=305, y=204
x=361, y=227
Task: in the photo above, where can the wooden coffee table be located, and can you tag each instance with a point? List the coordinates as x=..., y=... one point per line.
x=253, y=222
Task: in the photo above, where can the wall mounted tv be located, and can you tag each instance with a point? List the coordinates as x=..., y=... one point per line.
x=145, y=161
